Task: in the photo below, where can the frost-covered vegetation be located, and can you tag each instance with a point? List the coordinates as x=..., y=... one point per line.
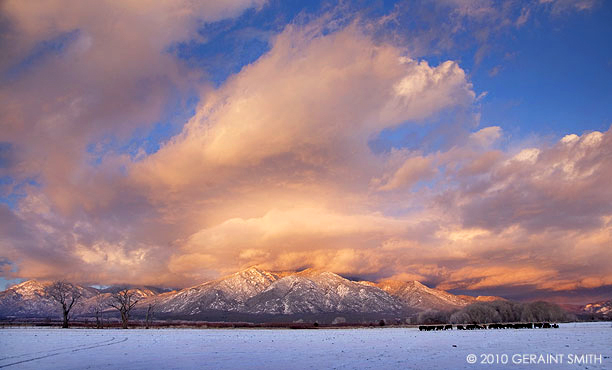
x=497, y=311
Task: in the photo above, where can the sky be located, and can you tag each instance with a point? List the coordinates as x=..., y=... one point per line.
x=464, y=144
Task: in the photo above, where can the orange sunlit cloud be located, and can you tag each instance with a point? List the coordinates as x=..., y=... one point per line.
x=276, y=168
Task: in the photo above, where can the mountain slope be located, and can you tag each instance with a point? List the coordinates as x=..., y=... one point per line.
x=316, y=292
x=29, y=299
x=251, y=292
x=603, y=308
x=416, y=295
x=226, y=294
x=481, y=298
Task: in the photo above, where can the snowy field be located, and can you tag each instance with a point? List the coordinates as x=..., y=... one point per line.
x=367, y=348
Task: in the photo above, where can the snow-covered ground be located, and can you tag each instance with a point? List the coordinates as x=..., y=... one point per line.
x=376, y=348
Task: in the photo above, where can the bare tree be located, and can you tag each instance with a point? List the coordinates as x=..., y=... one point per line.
x=123, y=301
x=98, y=309
x=150, y=312
x=67, y=295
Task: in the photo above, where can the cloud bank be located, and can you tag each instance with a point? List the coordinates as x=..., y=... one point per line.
x=276, y=167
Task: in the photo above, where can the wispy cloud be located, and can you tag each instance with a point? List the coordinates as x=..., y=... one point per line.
x=274, y=168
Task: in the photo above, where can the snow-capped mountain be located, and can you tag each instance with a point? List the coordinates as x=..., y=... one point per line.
x=312, y=291
x=603, y=308
x=252, y=292
x=226, y=294
x=27, y=298
x=30, y=299
x=416, y=295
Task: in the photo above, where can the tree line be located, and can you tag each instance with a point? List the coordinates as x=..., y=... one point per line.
x=68, y=295
x=497, y=312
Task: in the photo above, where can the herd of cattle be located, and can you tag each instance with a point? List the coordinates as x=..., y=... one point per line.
x=529, y=325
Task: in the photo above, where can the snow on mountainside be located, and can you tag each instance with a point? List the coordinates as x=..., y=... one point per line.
x=481, y=298
x=311, y=291
x=417, y=295
x=602, y=308
x=29, y=289
x=252, y=292
x=226, y=294
x=141, y=292
x=30, y=299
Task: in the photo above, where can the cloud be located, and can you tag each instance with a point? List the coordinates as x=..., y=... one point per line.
x=287, y=239
x=275, y=167
x=520, y=21
x=77, y=74
x=562, y=186
x=303, y=107
x=486, y=136
x=413, y=170
x=564, y=6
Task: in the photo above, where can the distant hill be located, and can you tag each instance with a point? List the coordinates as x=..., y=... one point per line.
x=603, y=308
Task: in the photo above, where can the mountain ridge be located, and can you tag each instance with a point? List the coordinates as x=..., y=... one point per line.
x=255, y=292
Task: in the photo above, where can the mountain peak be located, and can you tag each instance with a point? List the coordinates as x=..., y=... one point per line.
x=29, y=287
x=26, y=283
x=252, y=274
x=317, y=291
x=312, y=272
x=416, y=294
x=397, y=285
x=251, y=270
x=246, y=283
x=308, y=271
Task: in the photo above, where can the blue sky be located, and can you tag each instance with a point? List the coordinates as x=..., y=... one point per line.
x=556, y=79
x=548, y=77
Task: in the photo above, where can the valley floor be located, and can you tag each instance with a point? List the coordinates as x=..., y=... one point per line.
x=365, y=348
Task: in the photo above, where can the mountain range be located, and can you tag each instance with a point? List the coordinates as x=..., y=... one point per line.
x=255, y=295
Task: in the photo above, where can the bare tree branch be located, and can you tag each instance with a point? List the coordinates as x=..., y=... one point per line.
x=98, y=309
x=67, y=295
x=123, y=301
x=150, y=312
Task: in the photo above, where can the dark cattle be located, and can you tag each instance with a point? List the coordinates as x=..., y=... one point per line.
x=473, y=327
x=527, y=325
x=435, y=327
x=427, y=328
x=524, y=326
